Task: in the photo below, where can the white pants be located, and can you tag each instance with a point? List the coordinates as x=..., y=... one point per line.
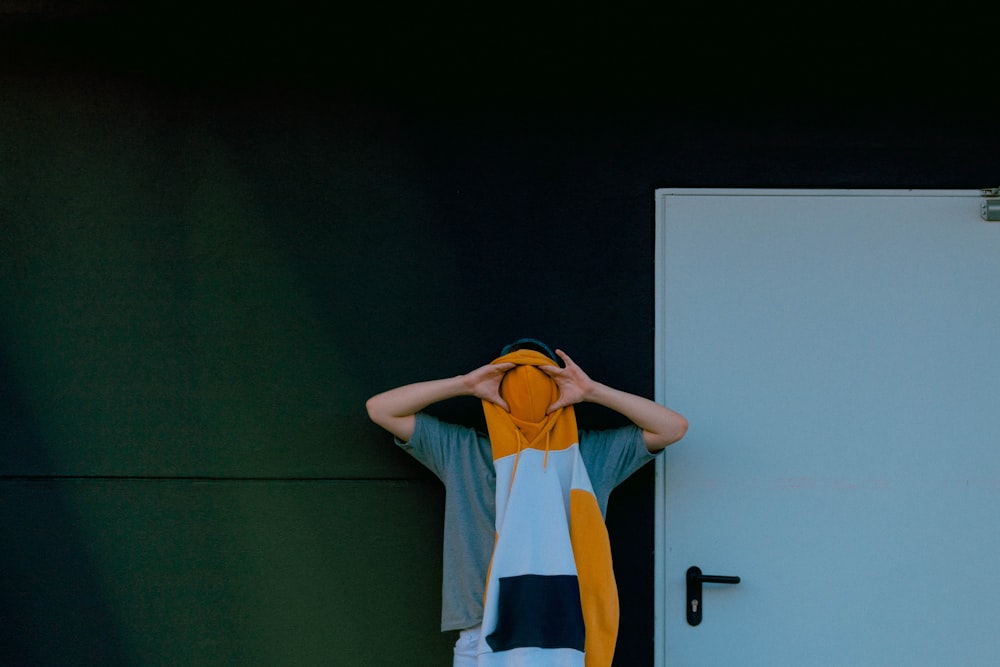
x=467, y=646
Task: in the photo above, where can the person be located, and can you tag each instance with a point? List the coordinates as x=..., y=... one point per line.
x=463, y=459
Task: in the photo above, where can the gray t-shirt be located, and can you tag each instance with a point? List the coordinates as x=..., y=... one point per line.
x=463, y=459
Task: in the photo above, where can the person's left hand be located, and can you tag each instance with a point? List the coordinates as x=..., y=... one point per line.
x=574, y=385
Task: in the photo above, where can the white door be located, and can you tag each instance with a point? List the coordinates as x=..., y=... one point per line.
x=837, y=354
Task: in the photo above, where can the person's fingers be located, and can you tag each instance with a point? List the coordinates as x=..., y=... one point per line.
x=558, y=403
x=504, y=367
x=499, y=402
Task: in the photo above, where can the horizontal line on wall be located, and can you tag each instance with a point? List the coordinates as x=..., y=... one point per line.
x=195, y=478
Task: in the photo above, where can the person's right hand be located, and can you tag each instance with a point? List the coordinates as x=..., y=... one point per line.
x=484, y=383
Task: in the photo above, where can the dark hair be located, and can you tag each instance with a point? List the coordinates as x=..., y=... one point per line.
x=530, y=344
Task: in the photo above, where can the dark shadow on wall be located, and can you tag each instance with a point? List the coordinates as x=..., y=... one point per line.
x=53, y=609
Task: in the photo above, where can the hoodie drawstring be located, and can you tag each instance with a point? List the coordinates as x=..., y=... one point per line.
x=545, y=461
x=522, y=440
x=517, y=458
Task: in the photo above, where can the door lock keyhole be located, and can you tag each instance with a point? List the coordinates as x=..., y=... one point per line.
x=694, y=581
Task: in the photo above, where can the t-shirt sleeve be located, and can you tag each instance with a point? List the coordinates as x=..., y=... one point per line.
x=434, y=442
x=611, y=456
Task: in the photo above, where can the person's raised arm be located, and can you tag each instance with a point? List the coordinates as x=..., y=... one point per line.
x=660, y=425
x=395, y=410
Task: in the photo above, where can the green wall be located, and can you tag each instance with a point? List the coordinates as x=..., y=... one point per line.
x=188, y=476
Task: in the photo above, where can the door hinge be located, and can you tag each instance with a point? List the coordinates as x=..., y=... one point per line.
x=989, y=208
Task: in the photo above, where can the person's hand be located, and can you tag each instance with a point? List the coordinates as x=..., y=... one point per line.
x=574, y=385
x=484, y=383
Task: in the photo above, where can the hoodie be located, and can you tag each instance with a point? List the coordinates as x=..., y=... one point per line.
x=551, y=597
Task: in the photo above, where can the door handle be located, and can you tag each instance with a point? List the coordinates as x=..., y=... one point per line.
x=694, y=581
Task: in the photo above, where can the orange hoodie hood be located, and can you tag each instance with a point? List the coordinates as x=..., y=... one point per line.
x=529, y=392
